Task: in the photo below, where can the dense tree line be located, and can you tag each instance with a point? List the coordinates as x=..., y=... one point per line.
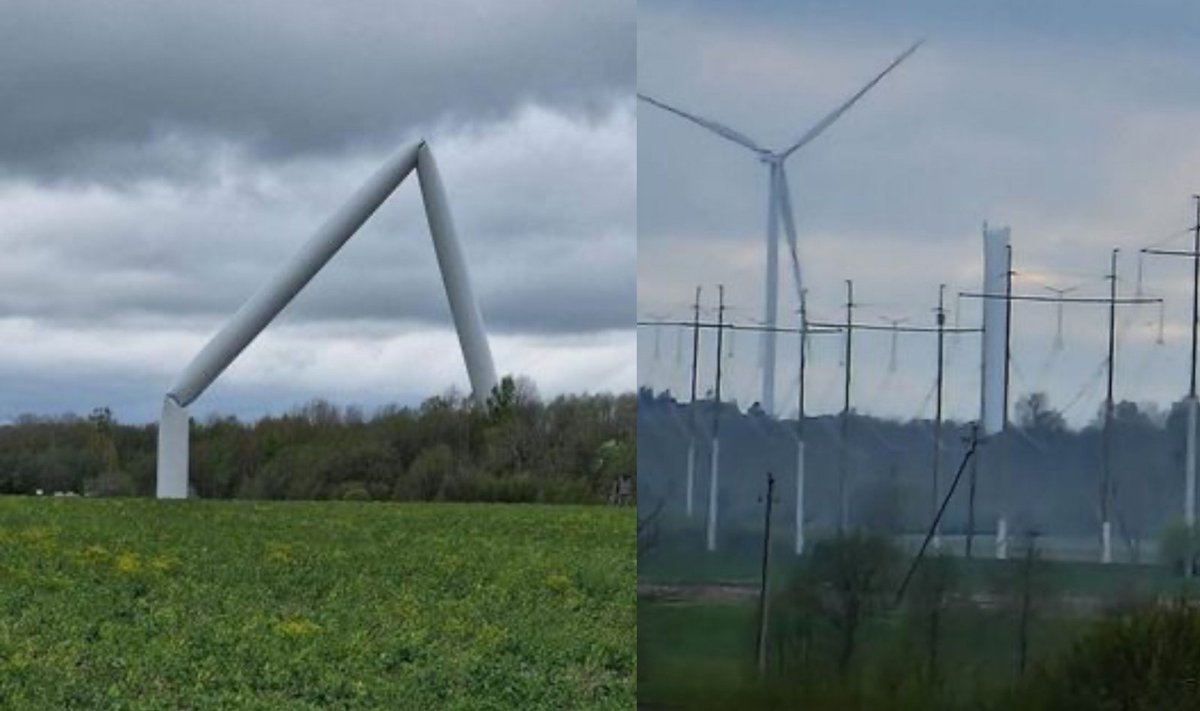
x=1044, y=474
x=520, y=448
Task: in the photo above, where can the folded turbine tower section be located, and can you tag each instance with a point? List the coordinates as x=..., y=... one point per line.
x=265, y=305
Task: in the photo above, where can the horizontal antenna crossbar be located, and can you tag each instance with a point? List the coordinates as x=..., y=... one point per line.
x=741, y=327
x=1067, y=299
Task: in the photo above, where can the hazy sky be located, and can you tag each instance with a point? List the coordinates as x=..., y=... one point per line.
x=1072, y=122
x=159, y=160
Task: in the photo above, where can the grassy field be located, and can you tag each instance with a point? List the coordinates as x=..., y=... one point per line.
x=701, y=657
x=697, y=625
x=138, y=604
x=686, y=562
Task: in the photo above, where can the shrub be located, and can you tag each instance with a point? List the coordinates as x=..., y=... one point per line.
x=1146, y=659
x=845, y=580
x=354, y=491
x=1178, y=544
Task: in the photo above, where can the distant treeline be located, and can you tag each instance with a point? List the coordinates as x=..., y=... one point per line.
x=519, y=449
x=1044, y=475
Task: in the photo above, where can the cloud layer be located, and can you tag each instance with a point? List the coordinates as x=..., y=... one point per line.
x=98, y=81
x=162, y=160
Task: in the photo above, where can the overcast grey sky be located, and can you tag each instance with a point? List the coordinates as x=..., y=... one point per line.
x=159, y=160
x=1072, y=122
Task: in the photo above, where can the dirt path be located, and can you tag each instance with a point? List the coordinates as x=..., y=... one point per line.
x=743, y=593
x=710, y=593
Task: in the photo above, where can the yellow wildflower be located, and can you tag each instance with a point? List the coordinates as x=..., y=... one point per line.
x=128, y=563
x=297, y=627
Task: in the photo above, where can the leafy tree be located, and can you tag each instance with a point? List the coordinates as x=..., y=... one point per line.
x=428, y=473
x=1034, y=413
x=518, y=449
x=845, y=580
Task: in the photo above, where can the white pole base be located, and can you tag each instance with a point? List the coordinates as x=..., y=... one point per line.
x=1002, y=539
x=1106, y=542
x=172, y=451
x=800, y=497
x=691, y=474
x=713, y=485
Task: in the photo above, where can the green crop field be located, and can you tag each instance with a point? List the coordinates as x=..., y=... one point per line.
x=140, y=604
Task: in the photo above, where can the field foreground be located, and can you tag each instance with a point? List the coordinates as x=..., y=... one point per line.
x=140, y=604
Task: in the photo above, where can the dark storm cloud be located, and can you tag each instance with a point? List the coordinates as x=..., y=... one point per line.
x=92, y=90
x=160, y=161
x=544, y=205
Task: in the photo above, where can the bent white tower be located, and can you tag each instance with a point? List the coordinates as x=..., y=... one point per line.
x=265, y=305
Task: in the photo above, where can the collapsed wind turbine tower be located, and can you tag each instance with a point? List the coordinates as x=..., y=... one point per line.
x=261, y=308
x=779, y=207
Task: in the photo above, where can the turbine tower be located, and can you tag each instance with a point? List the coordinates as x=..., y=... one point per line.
x=779, y=208
x=262, y=307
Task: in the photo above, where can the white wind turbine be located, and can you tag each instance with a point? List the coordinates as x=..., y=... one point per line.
x=779, y=206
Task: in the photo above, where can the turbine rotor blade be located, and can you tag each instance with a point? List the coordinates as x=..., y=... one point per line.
x=828, y=121
x=789, y=228
x=717, y=128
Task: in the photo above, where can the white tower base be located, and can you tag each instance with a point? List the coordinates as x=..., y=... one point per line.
x=172, y=451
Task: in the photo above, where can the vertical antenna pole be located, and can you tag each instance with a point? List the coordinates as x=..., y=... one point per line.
x=691, y=455
x=1106, y=472
x=1002, y=523
x=714, y=465
x=800, y=425
x=937, y=419
x=763, y=599
x=844, y=453
x=1189, y=499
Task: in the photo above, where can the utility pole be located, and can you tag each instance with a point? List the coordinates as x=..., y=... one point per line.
x=1189, y=502
x=691, y=455
x=937, y=517
x=848, y=327
x=721, y=326
x=1189, y=493
x=1111, y=301
x=971, y=510
x=844, y=449
x=763, y=598
x=1002, y=523
x=1106, y=453
x=714, y=471
x=937, y=419
x=800, y=425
